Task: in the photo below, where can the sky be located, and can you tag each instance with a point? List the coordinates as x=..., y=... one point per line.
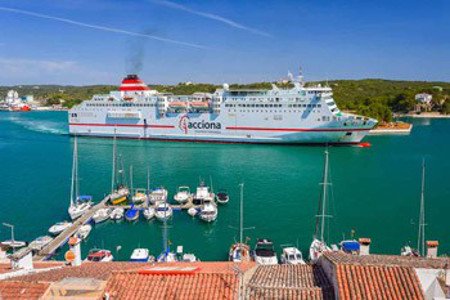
x=81, y=42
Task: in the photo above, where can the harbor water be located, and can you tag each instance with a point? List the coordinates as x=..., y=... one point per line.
x=375, y=191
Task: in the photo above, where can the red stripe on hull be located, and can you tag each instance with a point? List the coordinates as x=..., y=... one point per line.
x=133, y=88
x=296, y=129
x=122, y=125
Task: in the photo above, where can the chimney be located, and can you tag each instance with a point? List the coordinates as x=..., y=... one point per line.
x=364, y=246
x=22, y=259
x=432, y=249
x=74, y=254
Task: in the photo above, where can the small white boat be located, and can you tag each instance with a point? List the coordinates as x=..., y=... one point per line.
x=117, y=213
x=84, y=231
x=101, y=215
x=189, y=257
x=202, y=194
x=40, y=242
x=158, y=195
x=149, y=213
x=14, y=244
x=264, y=253
x=140, y=255
x=167, y=257
x=291, y=256
x=59, y=227
x=139, y=196
x=183, y=194
x=163, y=211
x=222, y=197
x=192, y=211
x=99, y=255
x=208, y=212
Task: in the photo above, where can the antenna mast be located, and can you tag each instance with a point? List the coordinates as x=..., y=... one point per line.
x=320, y=221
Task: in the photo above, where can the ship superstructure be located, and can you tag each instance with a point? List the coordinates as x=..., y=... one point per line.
x=296, y=115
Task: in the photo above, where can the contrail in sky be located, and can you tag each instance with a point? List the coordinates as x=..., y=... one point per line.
x=98, y=27
x=214, y=17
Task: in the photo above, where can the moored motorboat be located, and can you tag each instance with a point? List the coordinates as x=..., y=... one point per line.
x=139, y=196
x=291, y=256
x=165, y=257
x=193, y=211
x=208, y=212
x=183, y=194
x=140, y=255
x=84, y=231
x=40, y=242
x=100, y=255
x=101, y=215
x=117, y=213
x=119, y=196
x=149, y=213
x=202, y=194
x=132, y=214
x=158, y=195
x=163, y=211
x=59, y=227
x=222, y=197
x=264, y=253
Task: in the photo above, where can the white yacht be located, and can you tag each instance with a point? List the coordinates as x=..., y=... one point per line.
x=14, y=243
x=264, y=253
x=158, y=195
x=99, y=255
x=318, y=245
x=101, y=215
x=163, y=211
x=240, y=251
x=59, y=227
x=291, y=256
x=208, y=212
x=78, y=204
x=183, y=194
x=139, y=196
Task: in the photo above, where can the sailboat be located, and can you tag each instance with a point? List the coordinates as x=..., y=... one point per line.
x=149, y=211
x=119, y=192
x=318, y=245
x=240, y=252
x=78, y=205
x=420, y=251
x=166, y=255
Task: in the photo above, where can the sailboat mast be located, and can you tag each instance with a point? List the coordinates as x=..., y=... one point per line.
x=131, y=179
x=114, y=161
x=324, y=193
x=77, y=183
x=72, y=185
x=421, y=234
x=241, y=215
x=148, y=185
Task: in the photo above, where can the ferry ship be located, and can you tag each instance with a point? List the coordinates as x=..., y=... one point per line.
x=281, y=116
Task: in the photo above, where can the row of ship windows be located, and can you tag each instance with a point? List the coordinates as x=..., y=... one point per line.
x=121, y=104
x=273, y=111
x=274, y=105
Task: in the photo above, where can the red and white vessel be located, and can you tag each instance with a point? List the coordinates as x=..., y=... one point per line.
x=296, y=115
x=14, y=103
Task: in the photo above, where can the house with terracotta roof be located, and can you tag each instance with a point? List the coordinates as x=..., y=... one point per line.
x=386, y=276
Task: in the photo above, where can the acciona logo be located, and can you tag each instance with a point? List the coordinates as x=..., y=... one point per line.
x=185, y=124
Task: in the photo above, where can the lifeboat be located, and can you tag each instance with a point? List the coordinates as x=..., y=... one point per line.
x=178, y=104
x=199, y=105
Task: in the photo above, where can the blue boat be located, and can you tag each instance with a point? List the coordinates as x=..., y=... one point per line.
x=350, y=246
x=132, y=214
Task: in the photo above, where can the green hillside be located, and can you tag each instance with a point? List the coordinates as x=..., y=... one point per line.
x=371, y=97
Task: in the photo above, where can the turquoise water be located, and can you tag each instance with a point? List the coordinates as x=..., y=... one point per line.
x=376, y=190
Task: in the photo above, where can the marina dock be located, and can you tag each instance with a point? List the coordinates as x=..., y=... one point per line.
x=60, y=240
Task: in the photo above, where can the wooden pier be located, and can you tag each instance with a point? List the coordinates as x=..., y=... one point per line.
x=61, y=239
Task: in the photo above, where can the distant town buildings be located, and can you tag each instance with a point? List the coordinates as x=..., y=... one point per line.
x=424, y=98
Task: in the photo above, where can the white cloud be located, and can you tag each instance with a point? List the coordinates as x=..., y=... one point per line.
x=17, y=66
x=211, y=16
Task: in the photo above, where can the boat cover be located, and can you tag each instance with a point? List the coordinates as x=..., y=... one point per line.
x=350, y=246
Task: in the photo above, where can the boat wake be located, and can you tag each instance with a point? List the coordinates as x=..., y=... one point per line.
x=41, y=126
